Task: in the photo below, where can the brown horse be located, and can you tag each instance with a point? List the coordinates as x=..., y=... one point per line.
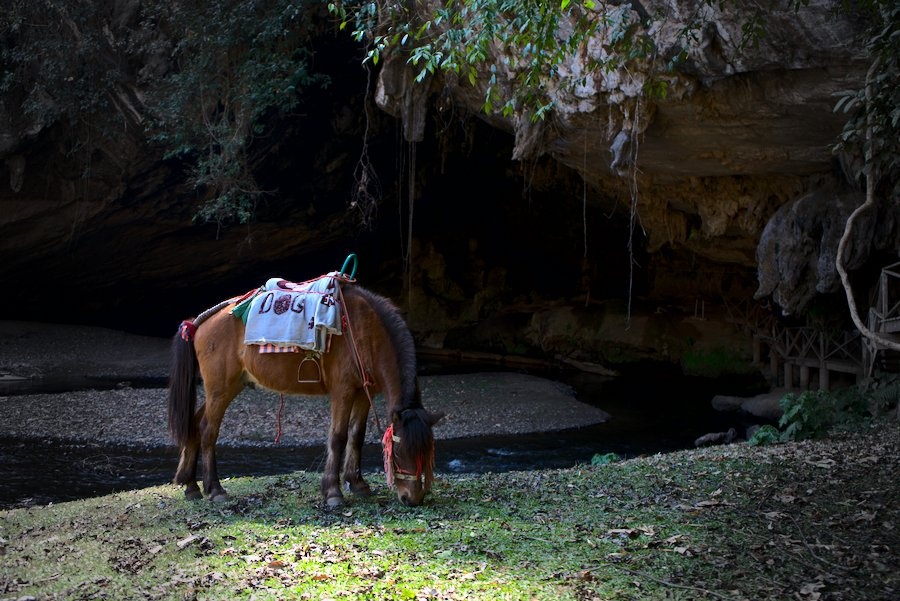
x=376, y=354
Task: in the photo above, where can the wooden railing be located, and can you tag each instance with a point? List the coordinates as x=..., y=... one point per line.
x=884, y=315
x=807, y=348
x=885, y=310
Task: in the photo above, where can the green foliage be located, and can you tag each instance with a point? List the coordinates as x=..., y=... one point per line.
x=240, y=63
x=204, y=80
x=55, y=66
x=532, y=40
x=813, y=413
x=807, y=415
x=605, y=459
x=765, y=435
x=882, y=109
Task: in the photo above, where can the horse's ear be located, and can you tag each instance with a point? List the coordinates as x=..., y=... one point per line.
x=434, y=418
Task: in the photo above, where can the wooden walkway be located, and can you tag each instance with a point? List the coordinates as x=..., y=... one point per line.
x=797, y=354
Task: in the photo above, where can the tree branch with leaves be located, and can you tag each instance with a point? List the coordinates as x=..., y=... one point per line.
x=874, y=129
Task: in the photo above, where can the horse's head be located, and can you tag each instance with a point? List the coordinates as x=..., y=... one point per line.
x=409, y=453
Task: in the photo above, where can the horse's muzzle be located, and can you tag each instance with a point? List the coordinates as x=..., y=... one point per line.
x=410, y=493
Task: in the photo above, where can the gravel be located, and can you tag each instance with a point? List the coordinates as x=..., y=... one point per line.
x=476, y=404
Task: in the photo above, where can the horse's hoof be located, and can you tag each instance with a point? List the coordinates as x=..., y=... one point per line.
x=334, y=502
x=193, y=495
x=221, y=497
x=363, y=492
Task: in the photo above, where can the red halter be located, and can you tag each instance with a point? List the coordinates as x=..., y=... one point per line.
x=391, y=471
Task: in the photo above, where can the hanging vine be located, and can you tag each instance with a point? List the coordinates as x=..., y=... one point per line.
x=366, y=189
x=514, y=52
x=522, y=55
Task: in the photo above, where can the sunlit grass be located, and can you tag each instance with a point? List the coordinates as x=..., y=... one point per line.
x=718, y=523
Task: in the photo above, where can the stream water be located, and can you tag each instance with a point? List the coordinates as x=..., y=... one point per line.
x=648, y=415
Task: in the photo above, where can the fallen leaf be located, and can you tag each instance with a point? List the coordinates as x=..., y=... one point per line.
x=711, y=503
x=811, y=590
x=416, y=530
x=188, y=541
x=864, y=516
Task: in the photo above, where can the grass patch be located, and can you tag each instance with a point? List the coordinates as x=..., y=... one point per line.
x=714, y=363
x=809, y=520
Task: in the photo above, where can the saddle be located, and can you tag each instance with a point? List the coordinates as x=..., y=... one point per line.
x=284, y=316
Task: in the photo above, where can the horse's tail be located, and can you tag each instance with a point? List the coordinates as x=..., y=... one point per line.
x=183, y=385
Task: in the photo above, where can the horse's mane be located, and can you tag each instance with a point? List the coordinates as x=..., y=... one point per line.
x=403, y=343
x=415, y=419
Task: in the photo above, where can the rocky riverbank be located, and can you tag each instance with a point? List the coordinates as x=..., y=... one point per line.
x=475, y=404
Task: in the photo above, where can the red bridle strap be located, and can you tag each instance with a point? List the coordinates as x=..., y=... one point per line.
x=391, y=471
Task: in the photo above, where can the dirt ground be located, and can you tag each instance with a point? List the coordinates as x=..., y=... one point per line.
x=475, y=404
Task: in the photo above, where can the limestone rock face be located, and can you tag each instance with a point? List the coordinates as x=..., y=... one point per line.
x=742, y=131
x=798, y=247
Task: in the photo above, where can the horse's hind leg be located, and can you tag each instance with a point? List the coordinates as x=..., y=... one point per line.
x=356, y=436
x=186, y=473
x=214, y=411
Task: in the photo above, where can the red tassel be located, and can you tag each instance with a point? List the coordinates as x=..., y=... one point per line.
x=187, y=329
x=388, y=443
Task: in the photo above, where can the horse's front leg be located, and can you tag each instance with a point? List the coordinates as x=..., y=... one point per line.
x=355, y=438
x=341, y=406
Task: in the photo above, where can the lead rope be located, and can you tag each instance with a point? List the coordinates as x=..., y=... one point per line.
x=363, y=374
x=280, y=410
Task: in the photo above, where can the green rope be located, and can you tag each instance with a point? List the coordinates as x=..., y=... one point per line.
x=351, y=256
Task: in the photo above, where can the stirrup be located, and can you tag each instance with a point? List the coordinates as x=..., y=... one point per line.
x=314, y=359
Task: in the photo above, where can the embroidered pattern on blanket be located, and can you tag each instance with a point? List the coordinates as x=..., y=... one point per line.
x=285, y=315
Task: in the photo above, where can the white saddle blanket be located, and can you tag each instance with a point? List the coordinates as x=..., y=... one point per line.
x=288, y=314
